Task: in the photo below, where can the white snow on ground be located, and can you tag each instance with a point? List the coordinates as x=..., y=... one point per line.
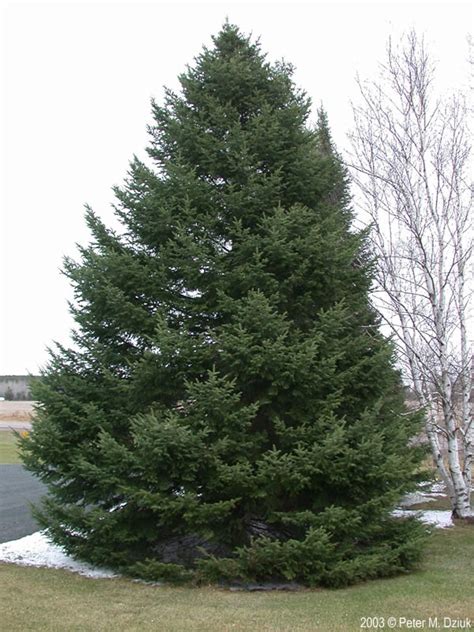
x=439, y=519
x=415, y=498
x=36, y=550
x=438, y=489
x=427, y=492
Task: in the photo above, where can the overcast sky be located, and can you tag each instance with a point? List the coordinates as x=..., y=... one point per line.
x=76, y=83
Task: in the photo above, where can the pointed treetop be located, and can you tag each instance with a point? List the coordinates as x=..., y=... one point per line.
x=323, y=133
x=230, y=40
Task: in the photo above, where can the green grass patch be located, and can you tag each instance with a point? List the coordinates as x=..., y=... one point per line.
x=442, y=502
x=52, y=600
x=8, y=447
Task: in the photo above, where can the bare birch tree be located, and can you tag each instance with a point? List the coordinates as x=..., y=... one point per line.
x=410, y=161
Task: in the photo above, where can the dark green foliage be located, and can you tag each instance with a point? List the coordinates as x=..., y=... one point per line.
x=151, y=570
x=231, y=410
x=321, y=558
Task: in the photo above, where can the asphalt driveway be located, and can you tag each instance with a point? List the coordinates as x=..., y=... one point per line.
x=18, y=488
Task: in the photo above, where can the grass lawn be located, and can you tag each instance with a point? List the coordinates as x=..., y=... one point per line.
x=44, y=599
x=55, y=600
x=8, y=451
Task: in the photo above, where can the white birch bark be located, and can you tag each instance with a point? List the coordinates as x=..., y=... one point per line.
x=410, y=163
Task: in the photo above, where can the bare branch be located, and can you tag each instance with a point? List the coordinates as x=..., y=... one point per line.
x=410, y=163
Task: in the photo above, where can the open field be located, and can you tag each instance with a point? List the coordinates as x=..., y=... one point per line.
x=8, y=448
x=49, y=600
x=16, y=411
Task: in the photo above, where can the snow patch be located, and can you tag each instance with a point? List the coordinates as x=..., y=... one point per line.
x=427, y=492
x=438, y=489
x=36, y=550
x=439, y=519
x=415, y=498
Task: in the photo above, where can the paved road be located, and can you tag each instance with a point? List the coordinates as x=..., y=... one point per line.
x=18, y=488
x=8, y=426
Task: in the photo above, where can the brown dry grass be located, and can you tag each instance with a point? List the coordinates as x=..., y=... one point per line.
x=16, y=411
x=46, y=600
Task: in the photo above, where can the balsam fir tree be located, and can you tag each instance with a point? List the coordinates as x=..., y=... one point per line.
x=230, y=409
